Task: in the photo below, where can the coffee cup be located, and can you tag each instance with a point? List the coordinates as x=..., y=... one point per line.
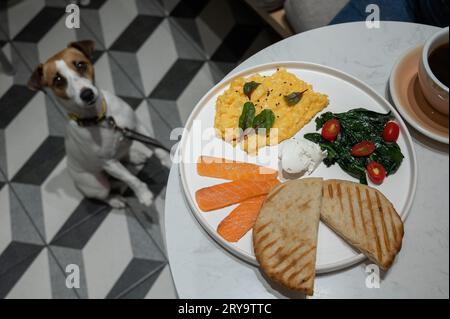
x=433, y=71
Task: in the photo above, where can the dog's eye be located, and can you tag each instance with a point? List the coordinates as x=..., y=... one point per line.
x=59, y=81
x=81, y=66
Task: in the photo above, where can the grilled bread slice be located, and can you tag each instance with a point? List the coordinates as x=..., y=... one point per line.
x=285, y=233
x=365, y=218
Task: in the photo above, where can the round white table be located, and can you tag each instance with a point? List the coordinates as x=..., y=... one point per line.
x=202, y=269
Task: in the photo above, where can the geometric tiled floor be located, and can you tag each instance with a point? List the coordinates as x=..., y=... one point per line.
x=160, y=56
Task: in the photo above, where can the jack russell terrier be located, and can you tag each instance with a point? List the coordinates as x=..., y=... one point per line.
x=94, y=148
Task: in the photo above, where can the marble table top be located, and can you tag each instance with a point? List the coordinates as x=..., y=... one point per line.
x=202, y=269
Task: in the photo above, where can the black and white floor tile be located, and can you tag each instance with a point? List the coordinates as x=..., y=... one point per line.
x=160, y=56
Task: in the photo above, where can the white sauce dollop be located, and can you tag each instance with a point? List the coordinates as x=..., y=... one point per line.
x=300, y=156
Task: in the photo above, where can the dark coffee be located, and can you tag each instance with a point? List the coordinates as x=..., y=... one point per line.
x=438, y=61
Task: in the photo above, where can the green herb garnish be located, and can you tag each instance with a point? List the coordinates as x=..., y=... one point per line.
x=247, y=116
x=249, y=87
x=294, y=97
x=265, y=119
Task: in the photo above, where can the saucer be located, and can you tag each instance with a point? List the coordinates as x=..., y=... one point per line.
x=411, y=103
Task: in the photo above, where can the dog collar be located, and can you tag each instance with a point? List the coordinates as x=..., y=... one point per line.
x=90, y=121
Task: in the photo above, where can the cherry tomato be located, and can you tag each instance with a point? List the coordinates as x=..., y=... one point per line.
x=331, y=130
x=365, y=148
x=376, y=172
x=391, y=132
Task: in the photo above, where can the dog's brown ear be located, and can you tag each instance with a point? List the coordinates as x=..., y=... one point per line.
x=35, y=81
x=85, y=46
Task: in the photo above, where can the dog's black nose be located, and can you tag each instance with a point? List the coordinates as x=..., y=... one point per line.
x=87, y=95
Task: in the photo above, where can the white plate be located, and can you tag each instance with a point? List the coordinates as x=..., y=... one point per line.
x=345, y=92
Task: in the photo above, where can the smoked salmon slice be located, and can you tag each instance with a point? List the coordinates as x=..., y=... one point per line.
x=241, y=219
x=226, y=194
x=232, y=170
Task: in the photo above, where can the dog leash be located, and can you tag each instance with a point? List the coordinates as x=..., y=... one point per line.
x=126, y=132
x=133, y=135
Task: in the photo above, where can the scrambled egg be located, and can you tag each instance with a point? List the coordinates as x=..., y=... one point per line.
x=270, y=94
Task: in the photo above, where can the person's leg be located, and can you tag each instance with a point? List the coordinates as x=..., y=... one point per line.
x=398, y=10
x=433, y=12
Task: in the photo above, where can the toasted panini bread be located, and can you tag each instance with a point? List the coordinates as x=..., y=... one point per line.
x=364, y=218
x=285, y=233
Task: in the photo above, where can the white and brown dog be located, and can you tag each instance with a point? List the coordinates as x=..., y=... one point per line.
x=94, y=149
